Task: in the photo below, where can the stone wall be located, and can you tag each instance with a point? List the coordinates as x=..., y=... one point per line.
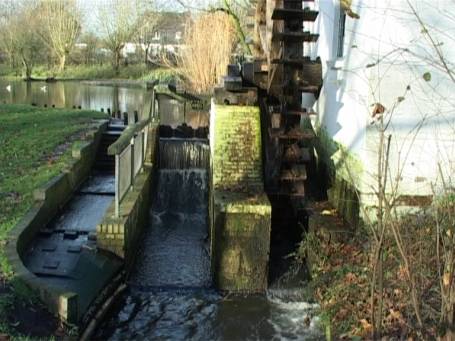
x=240, y=212
x=242, y=241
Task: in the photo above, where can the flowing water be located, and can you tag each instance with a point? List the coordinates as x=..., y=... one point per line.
x=170, y=294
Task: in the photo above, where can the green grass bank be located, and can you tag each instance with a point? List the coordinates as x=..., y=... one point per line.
x=95, y=72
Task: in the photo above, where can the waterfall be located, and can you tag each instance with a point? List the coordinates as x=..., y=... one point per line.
x=181, y=190
x=183, y=153
x=175, y=249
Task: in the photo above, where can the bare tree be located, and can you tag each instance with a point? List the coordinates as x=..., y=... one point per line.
x=19, y=40
x=91, y=43
x=118, y=20
x=147, y=25
x=237, y=10
x=60, y=27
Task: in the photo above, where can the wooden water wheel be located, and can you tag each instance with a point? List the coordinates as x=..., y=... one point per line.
x=285, y=71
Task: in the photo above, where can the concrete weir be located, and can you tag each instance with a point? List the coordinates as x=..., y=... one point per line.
x=240, y=210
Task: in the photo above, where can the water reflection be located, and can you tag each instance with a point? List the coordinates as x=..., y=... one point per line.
x=73, y=93
x=69, y=94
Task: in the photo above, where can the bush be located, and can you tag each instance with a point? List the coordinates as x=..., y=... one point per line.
x=210, y=42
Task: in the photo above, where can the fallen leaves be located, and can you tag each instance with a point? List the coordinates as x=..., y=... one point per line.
x=351, y=278
x=366, y=326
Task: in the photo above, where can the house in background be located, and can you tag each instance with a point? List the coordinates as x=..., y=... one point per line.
x=168, y=37
x=384, y=64
x=164, y=37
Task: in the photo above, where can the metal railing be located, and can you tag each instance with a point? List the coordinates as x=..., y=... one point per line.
x=130, y=152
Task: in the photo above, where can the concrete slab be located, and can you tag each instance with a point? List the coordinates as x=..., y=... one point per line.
x=83, y=213
x=64, y=252
x=88, y=277
x=55, y=255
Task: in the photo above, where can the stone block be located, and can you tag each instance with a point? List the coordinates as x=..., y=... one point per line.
x=242, y=225
x=68, y=307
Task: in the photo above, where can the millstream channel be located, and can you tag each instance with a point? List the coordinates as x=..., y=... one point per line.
x=170, y=294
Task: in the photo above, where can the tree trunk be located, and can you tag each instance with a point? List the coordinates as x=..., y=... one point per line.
x=117, y=61
x=28, y=69
x=62, y=62
x=146, y=59
x=238, y=27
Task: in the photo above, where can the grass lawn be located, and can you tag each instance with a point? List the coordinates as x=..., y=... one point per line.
x=35, y=144
x=96, y=72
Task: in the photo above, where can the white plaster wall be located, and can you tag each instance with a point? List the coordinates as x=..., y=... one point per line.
x=389, y=39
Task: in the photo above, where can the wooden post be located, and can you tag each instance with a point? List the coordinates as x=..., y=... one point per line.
x=152, y=108
x=143, y=148
x=132, y=162
x=117, y=185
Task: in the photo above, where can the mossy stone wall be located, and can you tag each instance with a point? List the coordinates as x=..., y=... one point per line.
x=240, y=210
x=242, y=242
x=236, y=148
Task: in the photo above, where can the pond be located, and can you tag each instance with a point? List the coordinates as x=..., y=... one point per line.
x=67, y=94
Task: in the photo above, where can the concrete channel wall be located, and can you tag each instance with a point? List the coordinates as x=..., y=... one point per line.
x=240, y=212
x=48, y=200
x=121, y=235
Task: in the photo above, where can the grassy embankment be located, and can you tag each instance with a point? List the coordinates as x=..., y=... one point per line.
x=95, y=72
x=35, y=146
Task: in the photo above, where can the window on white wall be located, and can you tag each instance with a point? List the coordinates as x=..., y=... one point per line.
x=341, y=30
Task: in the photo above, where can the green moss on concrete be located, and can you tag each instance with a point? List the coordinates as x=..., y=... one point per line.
x=237, y=202
x=242, y=244
x=236, y=148
x=344, y=172
x=241, y=218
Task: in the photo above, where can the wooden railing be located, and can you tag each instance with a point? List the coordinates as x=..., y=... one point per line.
x=130, y=152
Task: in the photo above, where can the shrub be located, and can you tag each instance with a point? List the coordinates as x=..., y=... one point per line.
x=210, y=42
